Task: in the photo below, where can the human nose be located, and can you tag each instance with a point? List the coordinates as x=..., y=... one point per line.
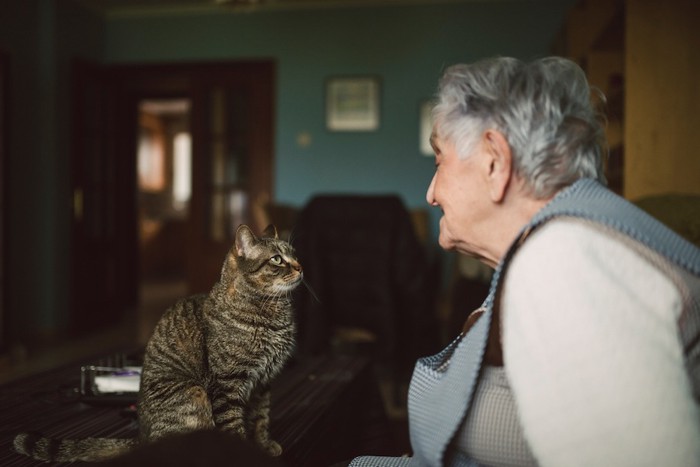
x=430, y=194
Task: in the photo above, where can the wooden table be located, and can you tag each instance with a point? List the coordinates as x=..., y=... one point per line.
x=324, y=409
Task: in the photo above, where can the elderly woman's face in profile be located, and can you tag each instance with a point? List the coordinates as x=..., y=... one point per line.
x=459, y=189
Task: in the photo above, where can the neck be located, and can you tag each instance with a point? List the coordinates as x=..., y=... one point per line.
x=507, y=223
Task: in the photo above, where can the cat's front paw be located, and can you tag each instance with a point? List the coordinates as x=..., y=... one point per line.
x=238, y=430
x=273, y=448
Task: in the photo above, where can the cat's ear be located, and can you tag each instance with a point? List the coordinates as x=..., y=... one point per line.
x=245, y=239
x=271, y=232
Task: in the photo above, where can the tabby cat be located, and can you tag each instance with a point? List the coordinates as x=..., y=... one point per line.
x=211, y=358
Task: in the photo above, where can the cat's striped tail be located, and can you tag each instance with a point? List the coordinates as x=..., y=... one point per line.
x=67, y=450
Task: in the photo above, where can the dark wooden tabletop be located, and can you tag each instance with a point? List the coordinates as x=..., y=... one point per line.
x=324, y=409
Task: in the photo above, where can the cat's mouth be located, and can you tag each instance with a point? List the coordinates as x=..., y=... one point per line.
x=297, y=280
x=291, y=284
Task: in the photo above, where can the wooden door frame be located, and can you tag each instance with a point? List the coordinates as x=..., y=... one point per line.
x=101, y=242
x=4, y=147
x=130, y=83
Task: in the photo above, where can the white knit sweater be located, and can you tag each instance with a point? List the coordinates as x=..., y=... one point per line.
x=593, y=355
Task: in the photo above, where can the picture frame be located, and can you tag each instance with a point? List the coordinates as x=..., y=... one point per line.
x=352, y=103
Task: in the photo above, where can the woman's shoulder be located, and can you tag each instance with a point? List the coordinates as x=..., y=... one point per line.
x=580, y=241
x=580, y=261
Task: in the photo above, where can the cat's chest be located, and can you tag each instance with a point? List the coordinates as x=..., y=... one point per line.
x=261, y=353
x=264, y=341
x=274, y=340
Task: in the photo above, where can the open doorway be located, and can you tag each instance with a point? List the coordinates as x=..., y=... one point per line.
x=164, y=180
x=136, y=227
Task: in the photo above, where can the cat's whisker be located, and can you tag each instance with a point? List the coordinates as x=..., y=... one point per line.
x=267, y=302
x=311, y=291
x=263, y=303
x=292, y=231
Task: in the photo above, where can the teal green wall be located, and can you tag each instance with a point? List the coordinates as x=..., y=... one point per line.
x=407, y=47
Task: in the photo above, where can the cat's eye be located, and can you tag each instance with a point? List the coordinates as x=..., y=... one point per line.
x=277, y=260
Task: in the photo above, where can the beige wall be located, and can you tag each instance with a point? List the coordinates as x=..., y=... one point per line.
x=662, y=100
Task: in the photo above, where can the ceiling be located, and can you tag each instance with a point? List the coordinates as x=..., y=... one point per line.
x=142, y=7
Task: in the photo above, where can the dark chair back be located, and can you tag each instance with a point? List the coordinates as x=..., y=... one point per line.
x=369, y=271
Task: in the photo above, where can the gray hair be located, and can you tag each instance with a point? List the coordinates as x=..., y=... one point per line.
x=543, y=108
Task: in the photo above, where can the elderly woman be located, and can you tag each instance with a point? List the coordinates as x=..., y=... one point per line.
x=587, y=349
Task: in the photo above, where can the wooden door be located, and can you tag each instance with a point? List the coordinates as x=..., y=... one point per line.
x=232, y=164
x=103, y=197
x=4, y=74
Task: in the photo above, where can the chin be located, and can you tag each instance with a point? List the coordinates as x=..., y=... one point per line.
x=445, y=239
x=445, y=243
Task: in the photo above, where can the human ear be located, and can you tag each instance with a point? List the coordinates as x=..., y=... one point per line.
x=501, y=164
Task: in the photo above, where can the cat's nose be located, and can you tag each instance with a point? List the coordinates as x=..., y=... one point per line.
x=296, y=266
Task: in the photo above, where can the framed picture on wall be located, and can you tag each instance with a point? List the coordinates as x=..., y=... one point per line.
x=352, y=103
